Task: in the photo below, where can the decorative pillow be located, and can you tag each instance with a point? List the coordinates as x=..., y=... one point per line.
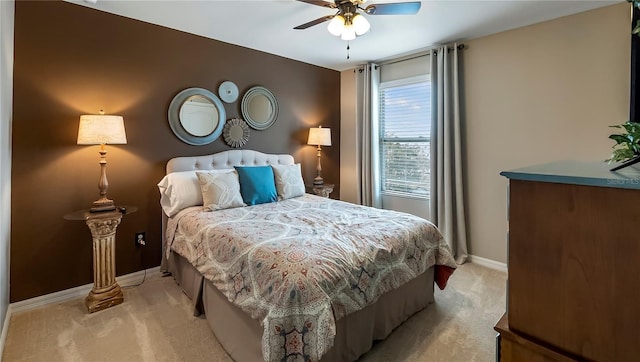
x=257, y=185
x=179, y=190
x=289, y=181
x=220, y=190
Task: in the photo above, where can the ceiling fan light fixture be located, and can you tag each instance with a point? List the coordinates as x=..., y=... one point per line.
x=336, y=25
x=349, y=20
x=349, y=33
x=360, y=24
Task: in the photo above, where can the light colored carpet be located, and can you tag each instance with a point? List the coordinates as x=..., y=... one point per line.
x=155, y=323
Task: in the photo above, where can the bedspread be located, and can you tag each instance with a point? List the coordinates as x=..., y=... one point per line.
x=300, y=264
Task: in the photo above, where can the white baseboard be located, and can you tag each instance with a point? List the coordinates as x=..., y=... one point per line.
x=488, y=263
x=73, y=293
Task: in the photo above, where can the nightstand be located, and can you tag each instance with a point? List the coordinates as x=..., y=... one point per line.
x=321, y=190
x=105, y=292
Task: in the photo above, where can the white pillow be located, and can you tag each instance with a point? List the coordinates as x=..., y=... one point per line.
x=220, y=190
x=179, y=190
x=289, y=181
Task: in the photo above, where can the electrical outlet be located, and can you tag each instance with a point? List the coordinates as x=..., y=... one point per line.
x=141, y=239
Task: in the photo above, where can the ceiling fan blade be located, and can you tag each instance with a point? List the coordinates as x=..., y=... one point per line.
x=314, y=22
x=408, y=8
x=324, y=4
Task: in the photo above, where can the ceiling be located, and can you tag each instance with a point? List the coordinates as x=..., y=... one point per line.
x=267, y=25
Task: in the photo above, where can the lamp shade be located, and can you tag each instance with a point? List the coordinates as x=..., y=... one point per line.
x=360, y=24
x=97, y=129
x=319, y=136
x=348, y=33
x=336, y=25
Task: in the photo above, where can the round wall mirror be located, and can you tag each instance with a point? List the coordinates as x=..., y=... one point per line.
x=259, y=108
x=196, y=116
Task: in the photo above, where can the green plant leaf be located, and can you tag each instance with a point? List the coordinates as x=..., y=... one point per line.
x=621, y=155
x=620, y=139
x=628, y=127
x=635, y=3
x=627, y=144
x=632, y=127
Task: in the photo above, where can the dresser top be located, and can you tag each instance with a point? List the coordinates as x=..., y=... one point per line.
x=579, y=173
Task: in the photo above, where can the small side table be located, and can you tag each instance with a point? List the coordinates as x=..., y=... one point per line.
x=105, y=292
x=321, y=190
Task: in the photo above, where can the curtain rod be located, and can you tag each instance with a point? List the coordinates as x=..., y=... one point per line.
x=425, y=53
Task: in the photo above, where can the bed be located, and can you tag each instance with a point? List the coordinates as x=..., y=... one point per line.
x=303, y=278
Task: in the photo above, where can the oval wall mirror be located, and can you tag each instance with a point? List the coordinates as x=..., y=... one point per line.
x=196, y=116
x=259, y=108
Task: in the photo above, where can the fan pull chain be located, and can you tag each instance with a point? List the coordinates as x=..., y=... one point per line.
x=348, y=48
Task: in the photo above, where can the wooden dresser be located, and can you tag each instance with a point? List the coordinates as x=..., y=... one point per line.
x=573, y=290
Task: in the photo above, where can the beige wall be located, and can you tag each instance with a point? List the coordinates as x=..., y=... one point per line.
x=532, y=95
x=536, y=94
x=349, y=137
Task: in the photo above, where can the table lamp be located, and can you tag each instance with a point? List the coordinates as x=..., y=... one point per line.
x=100, y=129
x=319, y=137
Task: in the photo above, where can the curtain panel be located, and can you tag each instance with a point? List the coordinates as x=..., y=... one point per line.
x=368, y=158
x=447, y=192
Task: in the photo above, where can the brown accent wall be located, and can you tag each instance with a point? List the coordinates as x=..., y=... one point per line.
x=71, y=60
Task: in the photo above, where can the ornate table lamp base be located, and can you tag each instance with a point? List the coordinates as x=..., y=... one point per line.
x=98, y=206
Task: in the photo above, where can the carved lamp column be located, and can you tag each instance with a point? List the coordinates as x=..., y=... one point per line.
x=106, y=292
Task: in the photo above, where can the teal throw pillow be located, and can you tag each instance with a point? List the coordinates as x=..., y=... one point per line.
x=257, y=184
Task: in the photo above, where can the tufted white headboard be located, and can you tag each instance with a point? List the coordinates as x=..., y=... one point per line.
x=227, y=159
x=216, y=161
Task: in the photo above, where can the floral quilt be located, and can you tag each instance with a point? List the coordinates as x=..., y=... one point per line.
x=300, y=264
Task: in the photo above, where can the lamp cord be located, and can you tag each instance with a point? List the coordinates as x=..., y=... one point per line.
x=144, y=277
x=348, y=48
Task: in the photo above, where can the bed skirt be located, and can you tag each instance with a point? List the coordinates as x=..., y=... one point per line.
x=241, y=336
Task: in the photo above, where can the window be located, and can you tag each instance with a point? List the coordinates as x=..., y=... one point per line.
x=405, y=134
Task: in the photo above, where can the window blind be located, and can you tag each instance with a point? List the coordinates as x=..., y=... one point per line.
x=405, y=132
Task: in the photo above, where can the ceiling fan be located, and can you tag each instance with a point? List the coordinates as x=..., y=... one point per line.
x=348, y=22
